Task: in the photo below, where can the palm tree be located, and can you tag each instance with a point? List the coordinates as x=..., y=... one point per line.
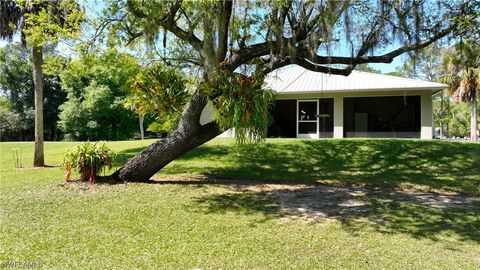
x=463, y=77
x=63, y=17
x=469, y=90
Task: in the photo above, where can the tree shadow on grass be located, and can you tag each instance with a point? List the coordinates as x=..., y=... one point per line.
x=420, y=214
x=386, y=163
x=444, y=165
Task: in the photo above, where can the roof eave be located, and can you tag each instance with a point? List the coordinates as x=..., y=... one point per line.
x=433, y=89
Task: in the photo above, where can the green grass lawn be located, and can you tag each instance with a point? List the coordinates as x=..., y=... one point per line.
x=192, y=221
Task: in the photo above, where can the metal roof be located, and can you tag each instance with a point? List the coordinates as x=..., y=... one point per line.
x=296, y=79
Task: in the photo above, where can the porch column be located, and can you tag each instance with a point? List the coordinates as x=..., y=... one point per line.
x=426, y=115
x=338, y=117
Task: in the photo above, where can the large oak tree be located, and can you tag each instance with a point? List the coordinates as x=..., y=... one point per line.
x=223, y=38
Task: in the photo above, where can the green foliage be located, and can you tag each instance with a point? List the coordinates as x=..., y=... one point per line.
x=16, y=84
x=88, y=159
x=463, y=76
x=49, y=21
x=11, y=122
x=167, y=124
x=242, y=104
x=458, y=119
x=96, y=87
x=367, y=68
x=461, y=64
x=159, y=92
x=455, y=116
x=425, y=65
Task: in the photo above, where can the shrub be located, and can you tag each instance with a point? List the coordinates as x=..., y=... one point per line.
x=88, y=159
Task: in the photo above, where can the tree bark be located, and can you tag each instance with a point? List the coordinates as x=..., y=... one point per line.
x=37, y=56
x=189, y=135
x=473, y=119
x=140, y=123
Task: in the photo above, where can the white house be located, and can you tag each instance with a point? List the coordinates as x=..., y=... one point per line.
x=317, y=105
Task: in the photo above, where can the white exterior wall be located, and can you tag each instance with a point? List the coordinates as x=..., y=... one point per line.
x=426, y=116
x=207, y=117
x=338, y=116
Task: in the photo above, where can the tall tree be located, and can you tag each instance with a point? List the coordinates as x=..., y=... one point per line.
x=463, y=77
x=224, y=38
x=39, y=22
x=97, y=85
x=16, y=84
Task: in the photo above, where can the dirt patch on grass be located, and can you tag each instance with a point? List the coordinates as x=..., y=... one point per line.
x=323, y=202
x=328, y=201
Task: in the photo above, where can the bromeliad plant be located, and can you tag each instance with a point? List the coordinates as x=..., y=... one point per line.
x=242, y=103
x=159, y=92
x=88, y=159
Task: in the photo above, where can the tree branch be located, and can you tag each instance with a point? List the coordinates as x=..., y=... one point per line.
x=184, y=35
x=168, y=23
x=304, y=58
x=269, y=66
x=223, y=25
x=248, y=53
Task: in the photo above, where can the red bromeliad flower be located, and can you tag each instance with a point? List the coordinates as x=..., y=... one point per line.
x=90, y=177
x=68, y=172
x=245, y=80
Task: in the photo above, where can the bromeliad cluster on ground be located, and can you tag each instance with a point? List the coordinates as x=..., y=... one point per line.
x=88, y=159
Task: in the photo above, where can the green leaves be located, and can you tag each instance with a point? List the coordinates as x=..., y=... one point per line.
x=463, y=72
x=49, y=21
x=97, y=86
x=159, y=92
x=92, y=157
x=244, y=106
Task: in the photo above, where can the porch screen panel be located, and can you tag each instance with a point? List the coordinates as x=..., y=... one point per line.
x=284, y=119
x=325, y=118
x=396, y=117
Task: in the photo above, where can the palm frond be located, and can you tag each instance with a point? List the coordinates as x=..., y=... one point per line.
x=468, y=87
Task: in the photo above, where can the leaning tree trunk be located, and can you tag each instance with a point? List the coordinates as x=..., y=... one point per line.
x=473, y=119
x=37, y=56
x=186, y=137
